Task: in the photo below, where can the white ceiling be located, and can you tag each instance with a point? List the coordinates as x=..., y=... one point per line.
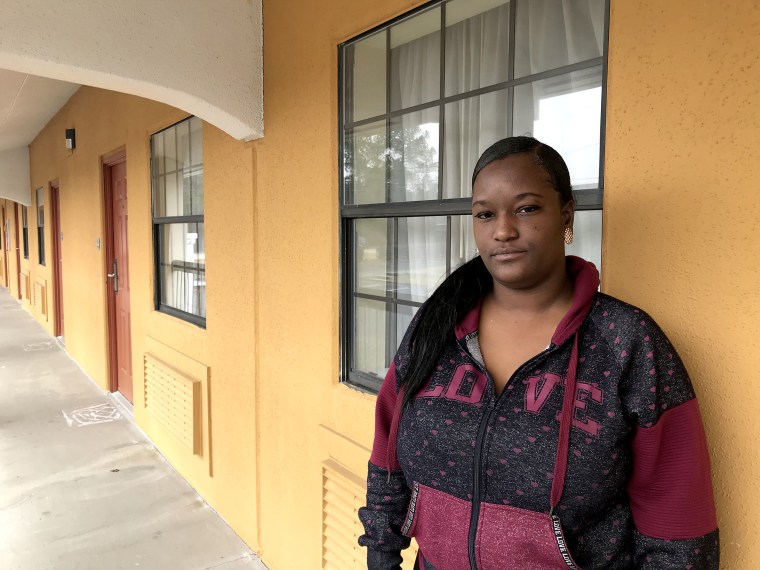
x=27, y=103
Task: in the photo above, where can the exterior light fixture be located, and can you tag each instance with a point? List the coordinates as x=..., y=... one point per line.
x=71, y=142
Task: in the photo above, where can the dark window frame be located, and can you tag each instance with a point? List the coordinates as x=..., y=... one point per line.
x=158, y=241
x=40, y=228
x=586, y=199
x=25, y=230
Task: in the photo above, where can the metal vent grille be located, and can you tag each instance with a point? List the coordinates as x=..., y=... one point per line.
x=25, y=286
x=174, y=399
x=342, y=495
x=40, y=298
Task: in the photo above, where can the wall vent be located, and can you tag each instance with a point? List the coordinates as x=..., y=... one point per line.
x=25, y=286
x=40, y=297
x=343, y=493
x=174, y=399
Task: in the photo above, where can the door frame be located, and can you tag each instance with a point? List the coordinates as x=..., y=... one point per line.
x=56, y=234
x=18, y=252
x=108, y=162
x=5, y=248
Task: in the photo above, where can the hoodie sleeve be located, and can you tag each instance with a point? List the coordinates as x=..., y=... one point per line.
x=670, y=487
x=387, y=493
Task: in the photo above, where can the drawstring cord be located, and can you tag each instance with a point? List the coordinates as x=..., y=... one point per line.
x=563, y=446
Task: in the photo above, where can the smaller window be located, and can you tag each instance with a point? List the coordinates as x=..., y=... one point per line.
x=178, y=225
x=41, y=225
x=25, y=231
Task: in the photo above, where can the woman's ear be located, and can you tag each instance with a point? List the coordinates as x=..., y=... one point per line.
x=568, y=214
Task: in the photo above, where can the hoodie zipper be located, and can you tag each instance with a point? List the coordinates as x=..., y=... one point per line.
x=477, y=474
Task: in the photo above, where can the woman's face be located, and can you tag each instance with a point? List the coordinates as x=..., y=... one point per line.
x=519, y=222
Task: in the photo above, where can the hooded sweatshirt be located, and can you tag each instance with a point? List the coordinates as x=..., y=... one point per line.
x=452, y=468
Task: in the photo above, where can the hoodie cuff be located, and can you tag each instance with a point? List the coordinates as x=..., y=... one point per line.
x=381, y=560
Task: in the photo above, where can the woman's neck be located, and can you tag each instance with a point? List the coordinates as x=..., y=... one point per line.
x=550, y=295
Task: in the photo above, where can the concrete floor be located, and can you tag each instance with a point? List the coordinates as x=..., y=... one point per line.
x=80, y=486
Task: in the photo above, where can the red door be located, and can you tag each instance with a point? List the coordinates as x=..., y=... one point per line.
x=18, y=253
x=119, y=272
x=6, y=249
x=57, y=235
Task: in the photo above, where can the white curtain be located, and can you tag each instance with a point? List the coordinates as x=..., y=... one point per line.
x=550, y=34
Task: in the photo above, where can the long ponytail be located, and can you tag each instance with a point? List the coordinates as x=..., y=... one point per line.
x=450, y=302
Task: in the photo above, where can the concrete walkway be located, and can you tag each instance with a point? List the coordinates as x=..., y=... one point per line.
x=80, y=486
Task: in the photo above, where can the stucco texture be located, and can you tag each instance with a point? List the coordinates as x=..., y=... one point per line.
x=682, y=160
x=681, y=216
x=106, y=121
x=192, y=49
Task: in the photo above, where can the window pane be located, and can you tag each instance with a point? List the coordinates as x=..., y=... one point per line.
x=196, y=141
x=366, y=78
x=158, y=153
x=183, y=267
x=170, y=150
x=365, y=164
x=587, y=237
x=195, y=177
x=477, y=44
x=416, y=60
x=565, y=112
x=404, y=316
x=172, y=196
x=370, y=323
x=182, y=131
x=472, y=125
x=414, y=156
x=159, y=197
x=371, y=255
x=421, y=256
x=553, y=33
x=463, y=246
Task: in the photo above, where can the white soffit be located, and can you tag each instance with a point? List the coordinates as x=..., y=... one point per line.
x=14, y=175
x=203, y=57
x=27, y=103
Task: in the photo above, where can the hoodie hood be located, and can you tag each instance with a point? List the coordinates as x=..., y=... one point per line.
x=585, y=278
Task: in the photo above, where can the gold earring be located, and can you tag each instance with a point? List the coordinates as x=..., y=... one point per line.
x=568, y=236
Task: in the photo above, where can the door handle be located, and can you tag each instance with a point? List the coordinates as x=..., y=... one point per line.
x=115, y=276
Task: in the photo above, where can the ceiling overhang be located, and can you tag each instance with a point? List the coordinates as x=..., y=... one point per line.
x=202, y=57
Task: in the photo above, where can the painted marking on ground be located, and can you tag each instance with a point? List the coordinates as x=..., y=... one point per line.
x=34, y=347
x=99, y=414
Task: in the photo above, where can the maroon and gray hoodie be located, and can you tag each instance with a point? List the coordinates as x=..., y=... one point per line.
x=460, y=459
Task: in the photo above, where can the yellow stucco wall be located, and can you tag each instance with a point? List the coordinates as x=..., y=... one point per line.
x=306, y=417
x=104, y=122
x=681, y=208
x=681, y=216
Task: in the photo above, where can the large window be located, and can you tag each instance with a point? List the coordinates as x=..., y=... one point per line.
x=178, y=235
x=41, y=225
x=25, y=230
x=421, y=98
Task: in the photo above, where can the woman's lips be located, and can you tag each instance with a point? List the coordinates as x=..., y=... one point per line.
x=507, y=254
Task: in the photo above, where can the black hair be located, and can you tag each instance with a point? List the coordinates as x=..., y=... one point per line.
x=462, y=290
x=546, y=157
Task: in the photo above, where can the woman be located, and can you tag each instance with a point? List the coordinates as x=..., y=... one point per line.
x=529, y=421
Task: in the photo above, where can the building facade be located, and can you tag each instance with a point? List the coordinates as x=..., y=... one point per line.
x=241, y=382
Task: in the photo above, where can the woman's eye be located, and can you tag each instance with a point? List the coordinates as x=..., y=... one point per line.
x=527, y=209
x=483, y=215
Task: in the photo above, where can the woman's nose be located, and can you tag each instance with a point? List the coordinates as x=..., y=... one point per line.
x=505, y=228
